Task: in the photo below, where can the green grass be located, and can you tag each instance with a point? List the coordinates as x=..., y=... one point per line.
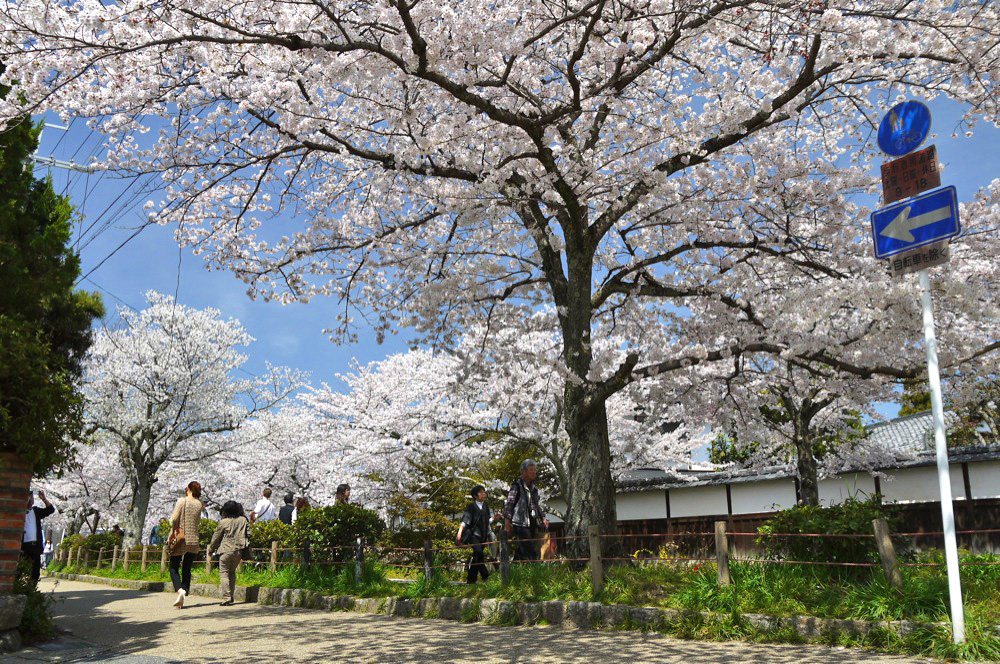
x=775, y=590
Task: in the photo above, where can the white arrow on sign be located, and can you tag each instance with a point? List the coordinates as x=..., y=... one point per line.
x=900, y=228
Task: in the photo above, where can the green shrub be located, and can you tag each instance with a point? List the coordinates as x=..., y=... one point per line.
x=102, y=541
x=262, y=533
x=420, y=523
x=164, y=529
x=206, y=528
x=852, y=517
x=36, y=621
x=327, y=528
x=71, y=542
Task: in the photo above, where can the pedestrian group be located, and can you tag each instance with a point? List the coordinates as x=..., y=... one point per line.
x=522, y=517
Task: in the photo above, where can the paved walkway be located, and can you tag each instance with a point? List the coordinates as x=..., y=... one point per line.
x=133, y=627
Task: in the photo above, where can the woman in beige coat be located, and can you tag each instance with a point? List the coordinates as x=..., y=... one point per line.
x=230, y=539
x=184, y=521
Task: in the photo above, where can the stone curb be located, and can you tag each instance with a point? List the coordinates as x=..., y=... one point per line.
x=567, y=615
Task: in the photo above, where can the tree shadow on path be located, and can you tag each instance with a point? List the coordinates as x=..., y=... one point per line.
x=134, y=622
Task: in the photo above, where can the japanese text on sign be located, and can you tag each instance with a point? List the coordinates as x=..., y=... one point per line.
x=910, y=175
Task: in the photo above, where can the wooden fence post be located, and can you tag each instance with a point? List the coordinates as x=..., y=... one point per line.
x=428, y=559
x=145, y=549
x=125, y=559
x=86, y=558
x=274, y=556
x=114, y=558
x=596, y=564
x=359, y=562
x=164, y=551
x=78, y=551
x=887, y=554
x=504, y=555
x=208, y=563
x=100, y=557
x=722, y=552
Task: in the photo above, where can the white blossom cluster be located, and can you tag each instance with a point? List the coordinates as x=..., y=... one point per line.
x=683, y=177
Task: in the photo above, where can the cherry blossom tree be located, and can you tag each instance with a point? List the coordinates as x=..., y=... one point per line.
x=161, y=390
x=455, y=413
x=281, y=449
x=784, y=407
x=93, y=490
x=445, y=164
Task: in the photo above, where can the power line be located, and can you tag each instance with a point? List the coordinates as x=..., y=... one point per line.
x=105, y=290
x=116, y=250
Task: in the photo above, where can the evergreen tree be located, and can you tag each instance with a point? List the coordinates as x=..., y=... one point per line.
x=44, y=321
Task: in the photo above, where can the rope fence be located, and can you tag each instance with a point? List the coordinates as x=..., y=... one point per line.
x=498, y=552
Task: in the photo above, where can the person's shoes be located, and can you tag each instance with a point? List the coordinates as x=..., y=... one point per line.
x=179, y=602
x=228, y=602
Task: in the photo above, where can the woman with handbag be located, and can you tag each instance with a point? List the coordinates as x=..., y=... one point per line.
x=232, y=542
x=183, y=542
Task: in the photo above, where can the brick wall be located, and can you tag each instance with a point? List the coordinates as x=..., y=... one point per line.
x=15, y=479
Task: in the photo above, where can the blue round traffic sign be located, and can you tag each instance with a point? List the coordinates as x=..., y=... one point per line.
x=904, y=128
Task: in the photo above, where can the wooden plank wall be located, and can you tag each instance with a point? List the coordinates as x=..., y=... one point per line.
x=694, y=536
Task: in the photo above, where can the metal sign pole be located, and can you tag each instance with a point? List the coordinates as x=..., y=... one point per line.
x=944, y=476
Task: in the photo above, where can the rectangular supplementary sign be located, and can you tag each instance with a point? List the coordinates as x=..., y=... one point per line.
x=918, y=259
x=915, y=222
x=910, y=175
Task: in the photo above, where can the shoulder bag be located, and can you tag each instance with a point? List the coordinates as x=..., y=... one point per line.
x=176, y=540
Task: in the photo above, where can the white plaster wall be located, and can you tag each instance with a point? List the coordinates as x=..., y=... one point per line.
x=752, y=497
x=920, y=485
x=835, y=490
x=698, y=501
x=984, y=479
x=641, y=505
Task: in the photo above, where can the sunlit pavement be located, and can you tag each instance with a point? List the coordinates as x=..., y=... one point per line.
x=104, y=624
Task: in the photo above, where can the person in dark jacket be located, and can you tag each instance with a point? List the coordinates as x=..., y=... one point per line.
x=285, y=513
x=523, y=513
x=475, y=531
x=32, y=540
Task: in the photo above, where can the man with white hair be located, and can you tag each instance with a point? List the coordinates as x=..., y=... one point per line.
x=523, y=513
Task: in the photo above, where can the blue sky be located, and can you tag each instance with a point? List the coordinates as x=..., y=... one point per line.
x=292, y=335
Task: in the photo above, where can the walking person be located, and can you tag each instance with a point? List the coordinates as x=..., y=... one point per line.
x=48, y=552
x=287, y=511
x=183, y=541
x=264, y=510
x=231, y=541
x=31, y=537
x=343, y=493
x=475, y=531
x=522, y=512
x=301, y=505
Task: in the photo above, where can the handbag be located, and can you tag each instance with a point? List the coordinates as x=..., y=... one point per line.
x=177, y=535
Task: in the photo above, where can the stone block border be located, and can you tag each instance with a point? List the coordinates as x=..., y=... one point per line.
x=566, y=615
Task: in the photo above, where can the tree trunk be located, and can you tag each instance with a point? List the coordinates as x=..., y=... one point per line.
x=801, y=416
x=79, y=520
x=590, y=496
x=136, y=524
x=806, y=461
